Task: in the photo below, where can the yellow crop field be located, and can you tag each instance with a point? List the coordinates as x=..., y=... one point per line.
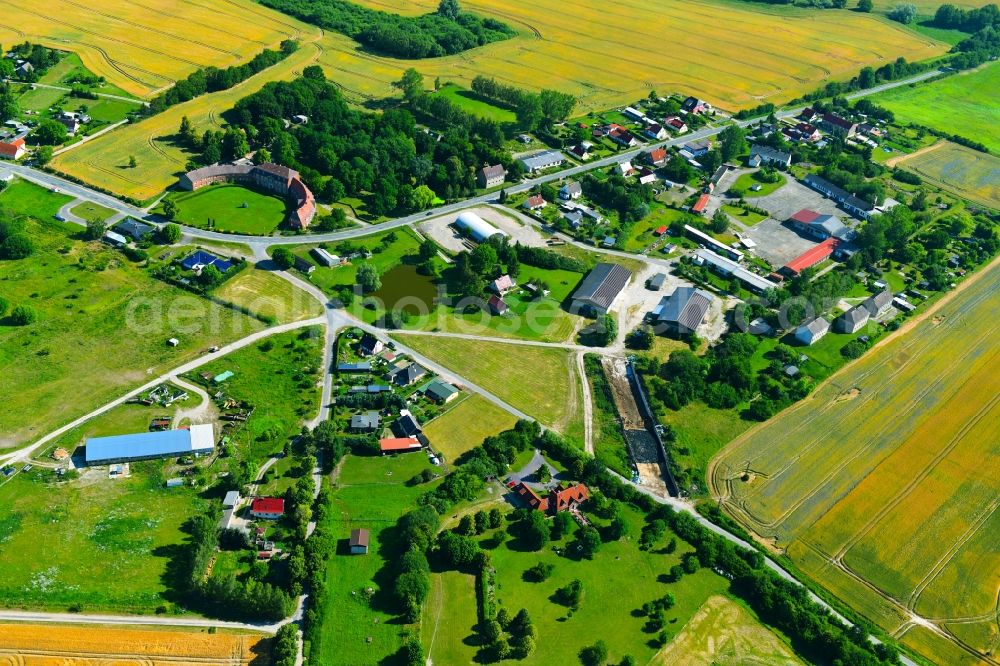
x=159, y=159
x=732, y=54
x=143, y=46
x=465, y=426
x=884, y=485
x=63, y=645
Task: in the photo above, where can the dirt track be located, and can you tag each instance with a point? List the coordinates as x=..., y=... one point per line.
x=614, y=370
x=926, y=149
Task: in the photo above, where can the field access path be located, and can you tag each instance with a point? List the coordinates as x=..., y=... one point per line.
x=335, y=320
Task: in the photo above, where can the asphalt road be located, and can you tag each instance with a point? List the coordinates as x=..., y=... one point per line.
x=55, y=182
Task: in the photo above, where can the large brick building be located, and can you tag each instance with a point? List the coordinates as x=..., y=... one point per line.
x=268, y=177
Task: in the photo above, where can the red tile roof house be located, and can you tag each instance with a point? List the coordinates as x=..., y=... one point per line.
x=535, y=202
x=268, y=508
x=810, y=257
x=657, y=156
x=700, y=204
x=676, y=124
x=12, y=150
x=503, y=284
x=497, y=305
x=558, y=499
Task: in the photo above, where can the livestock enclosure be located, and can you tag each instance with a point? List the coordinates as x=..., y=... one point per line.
x=883, y=485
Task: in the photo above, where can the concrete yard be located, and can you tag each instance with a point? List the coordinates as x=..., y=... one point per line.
x=776, y=242
x=793, y=197
x=439, y=229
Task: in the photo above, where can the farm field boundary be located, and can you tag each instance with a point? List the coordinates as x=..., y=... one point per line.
x=905, y=442
x=709, y=57
x=962, y=171
x=142, y=48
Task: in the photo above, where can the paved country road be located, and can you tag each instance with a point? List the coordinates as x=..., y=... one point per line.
x=83, y=192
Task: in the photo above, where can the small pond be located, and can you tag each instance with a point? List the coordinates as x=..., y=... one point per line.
x=404, y=288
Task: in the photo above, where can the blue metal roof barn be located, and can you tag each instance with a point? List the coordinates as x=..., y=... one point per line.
x=146, y=445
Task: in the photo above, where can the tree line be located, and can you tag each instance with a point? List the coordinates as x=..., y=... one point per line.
x=532, y=110
x=343, y=151
x=815, y=633
x=444, y=32
x=213, y=79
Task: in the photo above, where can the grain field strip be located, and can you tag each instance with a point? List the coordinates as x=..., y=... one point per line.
x=924, y=473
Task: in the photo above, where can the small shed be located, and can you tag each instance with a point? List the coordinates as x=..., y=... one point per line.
x=231, y=499
x=175, y=482
x=173, y=342
x=359, y=541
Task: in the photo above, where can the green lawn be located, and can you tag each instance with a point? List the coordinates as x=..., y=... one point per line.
x=280, y=378
x=388, y=250
x=450, y=614
x=223, y=205
x=964, y=104
x=91, y=211
x=371, y=492
x=540, y=381
x=98, y=543
x=466, y=426
x=748, y=180
x=747, y=217
x=472, y=103
x=26, y=198
x=269, y=296
x=641, y=233
x=616, y=582
x=102, y=324
x=38, y=100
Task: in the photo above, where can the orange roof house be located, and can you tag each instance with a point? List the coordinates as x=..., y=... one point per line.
x=392, y=445
x=12, y=150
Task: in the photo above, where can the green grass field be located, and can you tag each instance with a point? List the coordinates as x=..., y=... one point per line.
x=385, y=255
x=223, y=205
x=280, y=378
x=540, y=381
x=746, y=217
x=24, y=198
x=102, y=323
x=616, y=582
x=474, y=104
x=269, y=295
x=91, y=211
x=748, y=180
x=466, y=425
x=100, y=543
x=963, y=103
x=371, y=492
x=959, y=170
